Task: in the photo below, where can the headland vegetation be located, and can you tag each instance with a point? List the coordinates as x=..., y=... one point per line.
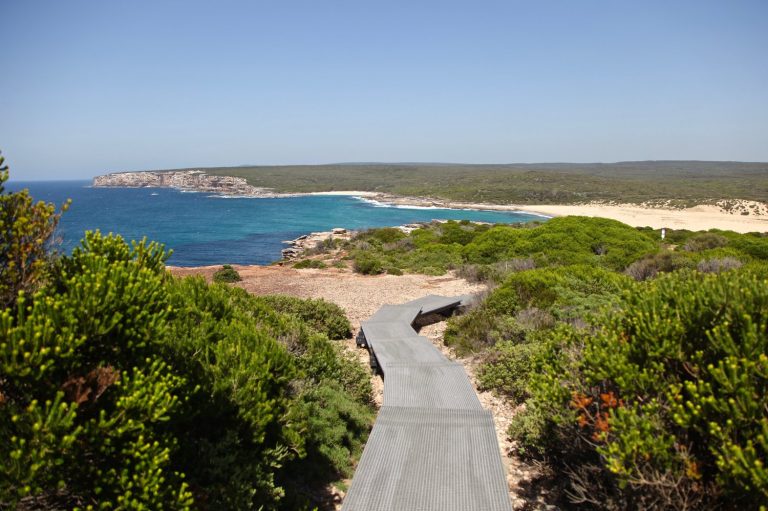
x=679, y=194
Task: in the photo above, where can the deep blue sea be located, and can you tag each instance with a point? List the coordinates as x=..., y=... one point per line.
x=204, y=230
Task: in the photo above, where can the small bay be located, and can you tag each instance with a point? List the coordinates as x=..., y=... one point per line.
x=203, y=229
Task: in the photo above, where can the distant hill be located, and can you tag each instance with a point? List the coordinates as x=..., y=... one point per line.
x=686, y=182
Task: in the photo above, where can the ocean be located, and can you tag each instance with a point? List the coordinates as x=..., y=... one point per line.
x=204, y=229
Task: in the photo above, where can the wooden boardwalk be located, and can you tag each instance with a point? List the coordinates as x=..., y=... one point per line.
x=433, y=446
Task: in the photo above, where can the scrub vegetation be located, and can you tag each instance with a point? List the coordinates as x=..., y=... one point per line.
x=641, y=365
x=684, y=183
x=122, y=387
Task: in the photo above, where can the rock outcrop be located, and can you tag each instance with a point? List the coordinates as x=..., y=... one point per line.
x=186, y=180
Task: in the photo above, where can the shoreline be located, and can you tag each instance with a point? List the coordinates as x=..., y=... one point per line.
x=701, y=217
x=697, y=218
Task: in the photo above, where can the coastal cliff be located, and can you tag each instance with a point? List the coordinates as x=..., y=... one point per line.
x=186, y=180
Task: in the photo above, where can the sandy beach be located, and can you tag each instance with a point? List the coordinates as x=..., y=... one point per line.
x=697, y=218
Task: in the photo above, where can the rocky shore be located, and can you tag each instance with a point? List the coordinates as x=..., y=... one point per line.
x=185, y=180
x=314, y=240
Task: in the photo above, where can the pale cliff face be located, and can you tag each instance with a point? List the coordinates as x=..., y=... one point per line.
x=187, y=180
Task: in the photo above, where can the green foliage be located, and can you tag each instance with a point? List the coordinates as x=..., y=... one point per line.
x=684, y=183
x=387, y=234
x=564, y=241
x=672, y=388
x=508, y=369
x=368, y=264
x=85, y=395
x=663, y=262
x=26, y=231
x=705, y=241
x=534, y=300
x=310, y=263
x=226, y=274
x=323, y=316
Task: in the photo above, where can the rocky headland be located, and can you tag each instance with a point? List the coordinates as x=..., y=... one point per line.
x=185, y=180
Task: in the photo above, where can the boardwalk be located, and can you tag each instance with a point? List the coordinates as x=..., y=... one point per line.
x=433, y=446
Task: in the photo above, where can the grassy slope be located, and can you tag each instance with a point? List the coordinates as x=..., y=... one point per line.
x=687, y=181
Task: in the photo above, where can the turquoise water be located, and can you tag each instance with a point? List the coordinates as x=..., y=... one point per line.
x=204, y=230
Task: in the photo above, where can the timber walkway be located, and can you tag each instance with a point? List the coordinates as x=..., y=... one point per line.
x=433, y=446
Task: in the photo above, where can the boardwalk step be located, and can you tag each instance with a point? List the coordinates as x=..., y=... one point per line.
x=430, y=460
x=408, y=350
x=429, y=386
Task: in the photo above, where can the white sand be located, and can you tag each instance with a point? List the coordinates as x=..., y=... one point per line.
x=698, y=218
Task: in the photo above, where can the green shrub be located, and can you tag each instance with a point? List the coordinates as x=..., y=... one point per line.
x=531, y=300
x=86, y=397
x=310, y=263
x=664, y=262
x=705, y=241
x=226, y=274
x=508, y=369
x=367, y=264
x=325, y=317
x=566, y=240
x=26, y=230
x=753, y=245
x=480, y=329
x=387, y=234
x=673, y=388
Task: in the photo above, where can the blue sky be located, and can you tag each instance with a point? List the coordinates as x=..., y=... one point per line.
x=88, y=87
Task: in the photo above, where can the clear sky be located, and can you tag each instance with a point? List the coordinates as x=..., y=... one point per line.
x=88, y=87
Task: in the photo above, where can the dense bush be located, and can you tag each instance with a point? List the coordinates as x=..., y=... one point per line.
x=236, y=379
x=226, y=274
x=368, y=264
x=705, y=241
x=325, y=317
x=310, y=263
x=663, y=262
x=534, y=300
x=26, y=232
x=122, y=387
x=565, y=240
x=86, y=395
x=667, y=404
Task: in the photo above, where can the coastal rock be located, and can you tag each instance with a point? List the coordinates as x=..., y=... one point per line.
x=185, y=180
x=308, y=242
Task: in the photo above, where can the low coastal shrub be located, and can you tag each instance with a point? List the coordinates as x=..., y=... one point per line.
x=534, y=300
x=310, y=263
x=705, y=241
x=325, y=317
x=665, y=405
x=367, y=264
x=563, y=241
x=663, y=262
x=718, y=264
x=226, y=274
